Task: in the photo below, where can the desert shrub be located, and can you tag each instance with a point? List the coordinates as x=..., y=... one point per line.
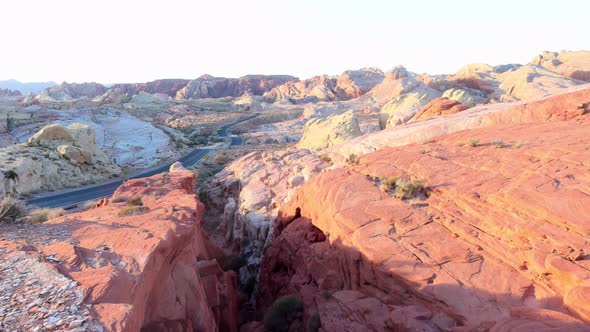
x=89, y=205
x=135, y=201
x=10, y=209
x=44, y=214
x=352, y=159
x=118, y=199
x=409, y=189
x=327, y=295
x=518, y=145
x=281, y=312
x=314, y=323
x=388, y=184
x=222, y=158
x=234, y=262
x=133, y=210
x=325, y=157
x=11, y=175
x=497, y=143
x=473, y=142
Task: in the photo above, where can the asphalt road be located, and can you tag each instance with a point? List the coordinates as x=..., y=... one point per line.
x=72, y=198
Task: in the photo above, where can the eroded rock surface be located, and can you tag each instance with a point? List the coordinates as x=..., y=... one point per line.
x=58, y=157
x=572, y=64
x=500, y=243
x=152, y=269
x=335, y=129
x=566, y=105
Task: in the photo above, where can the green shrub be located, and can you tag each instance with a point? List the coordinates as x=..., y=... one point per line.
x=10, y=209
x=135, y=201
x=314, y=323
x=42, y=215
x=352, y=159
x=388, y=184
x=281, y=312
x=327, y=295
x=473, y=142
x=132, y=210
x=409, y=189
x=497, y=143
x=326, y=158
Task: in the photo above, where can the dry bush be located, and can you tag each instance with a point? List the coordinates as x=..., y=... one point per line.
x=44, y=214
x=10, y=209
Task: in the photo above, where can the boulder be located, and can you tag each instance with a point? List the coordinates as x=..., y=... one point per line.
x=437, y=107
x=461, y=96
x=335, y=129
x=401, y=109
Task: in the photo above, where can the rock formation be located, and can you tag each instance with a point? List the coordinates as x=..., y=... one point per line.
x=208, y=86
x=9, y=93
x=168, y=87
x=401, y=109
x=71, y=91
x=571, y=64
x=460, y=95
x=57, y=157
x=530, y=81
x=324, y=133
x=565, y=105
x=349, y=85
x=437, y=107
x=247, y=196
x=148, y=268
x=499, y=241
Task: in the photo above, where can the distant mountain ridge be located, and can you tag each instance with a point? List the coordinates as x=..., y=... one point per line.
x=25, y=87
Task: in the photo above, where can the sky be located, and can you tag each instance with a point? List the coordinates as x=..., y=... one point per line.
x=117, y=41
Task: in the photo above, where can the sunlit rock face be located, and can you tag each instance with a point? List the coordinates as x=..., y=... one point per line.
x=499, y=241
x=571, y=64
x=58, y=157
x=208, y=86
x=139, y=262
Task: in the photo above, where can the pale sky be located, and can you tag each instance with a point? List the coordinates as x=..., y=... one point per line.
x=112, y=41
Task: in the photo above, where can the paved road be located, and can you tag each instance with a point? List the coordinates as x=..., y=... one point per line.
x=71, y=198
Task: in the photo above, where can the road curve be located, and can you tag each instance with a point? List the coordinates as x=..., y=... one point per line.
x=72, y=198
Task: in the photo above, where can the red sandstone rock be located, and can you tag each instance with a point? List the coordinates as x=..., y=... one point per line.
x=439, y=106
x=154, y=270
x=501, y=243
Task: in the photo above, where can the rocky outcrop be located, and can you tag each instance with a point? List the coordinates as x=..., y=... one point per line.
x=247, y=196
x=167, y=86
x=317, y=88
x=149, y=267
x=57, y=157
x=354, y=83
x=9, y=93
x=350, y=84
x=460, y=95
x=335, y=129
x=571, y=64
x=71, y=91
x=438, y=107
x=566, y=105
x=208, y=86
x=499, y=241
x=401, y=109
x=530, y=81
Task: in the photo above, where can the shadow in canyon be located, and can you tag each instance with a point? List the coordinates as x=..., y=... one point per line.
x=302, y=262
